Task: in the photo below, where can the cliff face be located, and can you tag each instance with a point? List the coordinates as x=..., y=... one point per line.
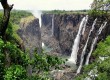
x=30, y=33
x=59, y=32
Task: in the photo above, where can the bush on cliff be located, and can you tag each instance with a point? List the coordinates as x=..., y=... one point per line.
x=96, y=13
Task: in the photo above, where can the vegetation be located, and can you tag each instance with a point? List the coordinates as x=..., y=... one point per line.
x=100, y=68
x=66, y=12
x=17, y=15
x=6, y=16
x=96, y=13
x=97, y=4
x=13, y=61
x=19, y=60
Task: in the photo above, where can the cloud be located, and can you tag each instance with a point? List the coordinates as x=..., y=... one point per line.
x=51, y=4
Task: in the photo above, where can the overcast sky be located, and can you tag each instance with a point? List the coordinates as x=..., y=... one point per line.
x=51, y=4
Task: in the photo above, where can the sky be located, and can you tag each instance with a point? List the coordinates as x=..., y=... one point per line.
x=51, y=4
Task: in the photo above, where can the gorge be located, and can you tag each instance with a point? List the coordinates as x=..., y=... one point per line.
x=55, y=40
x=74, y=35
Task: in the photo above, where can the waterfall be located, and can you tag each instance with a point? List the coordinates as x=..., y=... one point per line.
x=94, y=42
x=84, y=26
x=85, y=47
x=43, y=44
x=53, y=25
x=38, y=14
x=75, y=48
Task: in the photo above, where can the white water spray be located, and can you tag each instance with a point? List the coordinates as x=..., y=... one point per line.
x=43, y=44
x=85, y=47
x=94, y=42
x=75, y=48
x=52, y=24
x=38, y=14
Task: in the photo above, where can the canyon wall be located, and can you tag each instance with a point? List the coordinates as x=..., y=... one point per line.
x=30, y=33
x=58, y=32
x=60, y=36
x=64, y=31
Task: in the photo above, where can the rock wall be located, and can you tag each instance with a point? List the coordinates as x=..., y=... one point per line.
x=30, y=34
x=60, y=37
x=65, y=30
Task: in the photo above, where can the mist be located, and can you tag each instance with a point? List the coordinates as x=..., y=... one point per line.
x=37, y=14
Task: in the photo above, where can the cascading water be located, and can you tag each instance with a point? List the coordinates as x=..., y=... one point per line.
x=53, y=25
x=38, y=14
x=43, y=44
x=85, y=22
x=75, y=48
x=94, y=42
x=85, y=47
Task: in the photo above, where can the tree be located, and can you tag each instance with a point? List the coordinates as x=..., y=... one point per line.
x=97, y=4
x=6, y=16
x=7, y=8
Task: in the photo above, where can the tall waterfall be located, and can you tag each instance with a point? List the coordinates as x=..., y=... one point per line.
x=84, y=26
x=75, y=48
x=52, y=24
x=38, y=14
x=85, y=47
x=94, y=42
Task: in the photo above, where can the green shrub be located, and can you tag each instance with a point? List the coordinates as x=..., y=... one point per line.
x=41, y=63
x=96, y=13
x=15, y=72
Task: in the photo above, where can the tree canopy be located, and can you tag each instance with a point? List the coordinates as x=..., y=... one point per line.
x=99, y=4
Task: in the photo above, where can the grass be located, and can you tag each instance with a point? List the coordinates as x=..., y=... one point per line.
x=27, y=19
